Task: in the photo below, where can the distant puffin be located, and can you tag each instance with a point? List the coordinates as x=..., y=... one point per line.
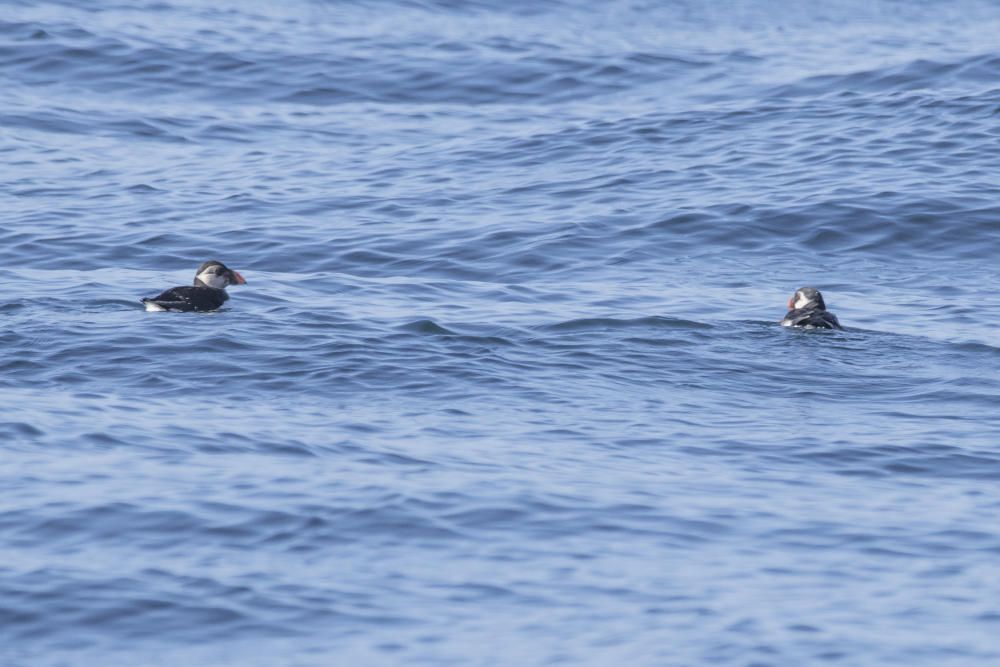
x=807, y=310
x=207, y=293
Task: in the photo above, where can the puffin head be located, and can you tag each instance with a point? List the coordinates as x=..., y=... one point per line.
x=216, y=274
x=806, y=297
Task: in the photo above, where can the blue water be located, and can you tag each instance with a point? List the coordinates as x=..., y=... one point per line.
x=506, y=384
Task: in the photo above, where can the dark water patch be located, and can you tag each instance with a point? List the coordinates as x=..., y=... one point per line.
x=608, y=324
x=20, y=429
x=128, y=607
x=427, y=327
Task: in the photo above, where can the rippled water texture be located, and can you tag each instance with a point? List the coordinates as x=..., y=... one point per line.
x=506, y=384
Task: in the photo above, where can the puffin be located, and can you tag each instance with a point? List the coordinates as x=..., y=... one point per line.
x=207, y=293
x=807, y=310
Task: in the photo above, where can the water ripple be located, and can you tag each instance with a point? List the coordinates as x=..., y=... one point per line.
x=506, y=384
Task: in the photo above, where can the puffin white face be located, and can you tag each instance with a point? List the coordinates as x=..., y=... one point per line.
x=214, y=276
x=806, y=297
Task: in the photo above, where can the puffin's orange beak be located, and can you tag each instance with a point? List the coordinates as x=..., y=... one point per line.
x=791, y=302
x=240, y=280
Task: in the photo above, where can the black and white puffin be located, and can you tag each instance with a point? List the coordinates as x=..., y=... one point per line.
x=807, y=310
x=207, y=293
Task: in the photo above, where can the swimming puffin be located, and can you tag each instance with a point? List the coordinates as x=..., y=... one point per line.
x=806, y=309
x=207, y=293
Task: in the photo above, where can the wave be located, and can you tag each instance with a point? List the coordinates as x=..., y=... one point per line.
x=979, y=70
x=502, y=71
x=605, y=324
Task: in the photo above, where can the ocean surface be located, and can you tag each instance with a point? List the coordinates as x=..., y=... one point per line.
x=506, y=384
